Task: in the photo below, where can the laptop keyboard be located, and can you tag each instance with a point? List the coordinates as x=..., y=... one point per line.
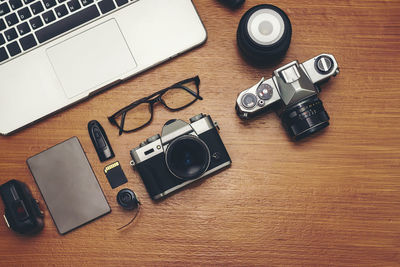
x=26, y=24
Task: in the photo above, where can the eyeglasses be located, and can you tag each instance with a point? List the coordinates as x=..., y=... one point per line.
x=140, y=113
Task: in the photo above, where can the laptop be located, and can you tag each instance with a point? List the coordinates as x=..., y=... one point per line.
x=54, y=53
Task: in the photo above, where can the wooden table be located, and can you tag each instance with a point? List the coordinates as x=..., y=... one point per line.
x=332, y=199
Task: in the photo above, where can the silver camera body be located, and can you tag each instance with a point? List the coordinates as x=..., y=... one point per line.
x=293, y=91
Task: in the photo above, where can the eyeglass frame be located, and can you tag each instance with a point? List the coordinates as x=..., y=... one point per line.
x=151, y=100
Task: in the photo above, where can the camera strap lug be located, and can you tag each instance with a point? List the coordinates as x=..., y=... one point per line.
x=5, y=219
x=132, y=163
x=337, y=71
x=216, y=125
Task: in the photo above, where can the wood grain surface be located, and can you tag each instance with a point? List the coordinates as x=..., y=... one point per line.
x=333, y=199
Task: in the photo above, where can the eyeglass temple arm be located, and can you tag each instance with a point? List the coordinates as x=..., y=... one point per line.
x=191, y=92
x=196, y=79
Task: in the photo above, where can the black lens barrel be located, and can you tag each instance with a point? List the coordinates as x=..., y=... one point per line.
x=187, y=157
x=305, y=118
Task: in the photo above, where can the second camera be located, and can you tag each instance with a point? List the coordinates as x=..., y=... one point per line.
x=184, y=153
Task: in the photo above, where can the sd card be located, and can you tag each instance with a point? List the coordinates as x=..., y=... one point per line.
x=115, y=174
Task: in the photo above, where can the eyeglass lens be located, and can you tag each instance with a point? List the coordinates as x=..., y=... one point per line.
x=136, y=117
x=176, y=98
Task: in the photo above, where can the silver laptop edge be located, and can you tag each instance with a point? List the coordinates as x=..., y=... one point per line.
x=48, y=79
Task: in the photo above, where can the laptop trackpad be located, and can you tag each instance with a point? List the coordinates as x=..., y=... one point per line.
x=94, y=58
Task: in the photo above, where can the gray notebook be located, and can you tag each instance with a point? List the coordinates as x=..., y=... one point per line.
x=68, y=185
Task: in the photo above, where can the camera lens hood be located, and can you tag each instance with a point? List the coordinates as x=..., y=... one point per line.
x=264, y=34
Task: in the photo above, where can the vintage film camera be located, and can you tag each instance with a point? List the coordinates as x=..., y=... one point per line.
x=182, y=154
x=293, y=92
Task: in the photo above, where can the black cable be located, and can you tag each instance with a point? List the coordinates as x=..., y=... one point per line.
x=134, y=217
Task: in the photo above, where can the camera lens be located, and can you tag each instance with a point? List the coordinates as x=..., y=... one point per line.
x=249, y=101
x=264, y=34
x=305, y=118
x=187, y=157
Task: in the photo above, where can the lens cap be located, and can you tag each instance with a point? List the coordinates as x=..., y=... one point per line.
x=127, y=199
x=264, y=34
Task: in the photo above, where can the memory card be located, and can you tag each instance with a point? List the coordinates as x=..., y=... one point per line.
x=115, y=175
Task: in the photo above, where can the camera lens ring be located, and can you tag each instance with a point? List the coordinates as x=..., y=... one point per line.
x=305, y=118
x=191, y=164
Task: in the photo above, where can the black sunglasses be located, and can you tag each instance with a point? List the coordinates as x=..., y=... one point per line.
x=140, y=113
